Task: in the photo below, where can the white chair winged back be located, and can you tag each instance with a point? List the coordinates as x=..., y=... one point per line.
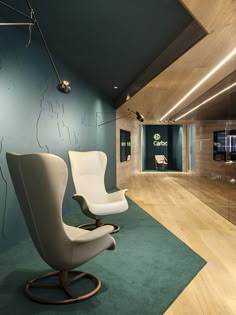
x=88, y=172
x=40, y=181
x=160, y=160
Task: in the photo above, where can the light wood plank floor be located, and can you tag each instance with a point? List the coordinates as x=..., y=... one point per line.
x=213, y=290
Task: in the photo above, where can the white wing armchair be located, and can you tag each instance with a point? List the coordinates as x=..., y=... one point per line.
x=88, y=172
x=40, y=182
x=160, y=160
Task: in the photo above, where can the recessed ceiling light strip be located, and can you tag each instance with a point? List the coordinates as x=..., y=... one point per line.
x=206, y=101
x=214, y=70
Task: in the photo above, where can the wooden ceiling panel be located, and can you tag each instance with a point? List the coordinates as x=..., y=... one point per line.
x=220, y=108
x=211, y=14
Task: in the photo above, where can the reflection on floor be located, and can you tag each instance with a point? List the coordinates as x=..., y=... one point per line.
x=216, y=192
x=160, y=170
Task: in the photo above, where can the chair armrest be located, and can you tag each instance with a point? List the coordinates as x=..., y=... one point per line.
x=118, y=195
x=95, y=234
x=112, y=203
x=81, y=200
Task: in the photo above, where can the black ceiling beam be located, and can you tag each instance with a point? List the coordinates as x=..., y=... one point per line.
x=187, y=39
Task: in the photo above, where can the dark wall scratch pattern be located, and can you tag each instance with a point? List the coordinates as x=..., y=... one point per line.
x=5, y=195
x=76, y=139
x=59, y=129
x=68, y=129
x=40, y=113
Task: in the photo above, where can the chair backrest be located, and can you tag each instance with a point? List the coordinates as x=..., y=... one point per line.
x=160, y=158
x=40, y=181
x=88, y=172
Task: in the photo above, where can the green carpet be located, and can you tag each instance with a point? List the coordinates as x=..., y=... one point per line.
x=143, y=275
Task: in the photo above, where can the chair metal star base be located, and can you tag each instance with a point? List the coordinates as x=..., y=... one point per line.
x=63, y=284
x=98, y=223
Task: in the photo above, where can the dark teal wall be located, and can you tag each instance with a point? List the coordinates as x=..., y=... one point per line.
x=35, y=117
x=175, y=133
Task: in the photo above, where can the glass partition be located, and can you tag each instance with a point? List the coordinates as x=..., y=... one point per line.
x=214, y=178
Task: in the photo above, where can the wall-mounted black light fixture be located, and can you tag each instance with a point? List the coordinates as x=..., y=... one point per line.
x=63, y=85
x=139, y=117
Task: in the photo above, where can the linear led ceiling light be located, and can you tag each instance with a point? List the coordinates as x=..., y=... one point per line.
x=214, y=70
x=63, y=85
x=206, y=101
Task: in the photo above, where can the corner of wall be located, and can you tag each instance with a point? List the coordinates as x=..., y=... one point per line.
x=126, y=169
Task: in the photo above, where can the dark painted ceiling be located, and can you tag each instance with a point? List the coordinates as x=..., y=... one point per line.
x=113, y=43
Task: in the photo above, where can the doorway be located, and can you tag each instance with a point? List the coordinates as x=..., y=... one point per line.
x=162, y=143
x=191, y=144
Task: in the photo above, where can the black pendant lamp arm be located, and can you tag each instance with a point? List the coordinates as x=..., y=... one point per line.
x=113, y=120
x=43, y=39
x=132, y=111
x=139, y=117
x=13, y=9
x=63, y=86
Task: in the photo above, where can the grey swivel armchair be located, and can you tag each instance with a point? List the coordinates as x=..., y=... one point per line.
x=40, y=181
x=88, y=172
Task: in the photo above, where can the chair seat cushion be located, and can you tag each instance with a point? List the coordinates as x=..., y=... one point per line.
x=107, y=208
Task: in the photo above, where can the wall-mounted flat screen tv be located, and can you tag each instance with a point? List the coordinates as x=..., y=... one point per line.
x=224, y=145
x=125, y=145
